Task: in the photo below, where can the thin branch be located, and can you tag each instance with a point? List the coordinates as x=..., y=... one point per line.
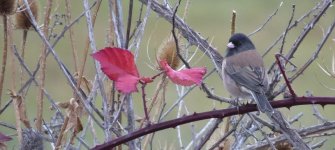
x=318, y=115
x=309, y=62
x=263, y=122
x=227, y=133
x=4, y=57
x=303, y=132
x=175, y=36
x=25, y=67
x=295, y=118
x=204, y=135
x=319, y=144
x=291, y=27
x=316, y=53
x=263, y=133
x=145, y=103
x=284, y=75
x=213, y=114
x=40, y=96
x=266, y=22
x=99, y=74
x=117, y=21
x=138, y=33
x=130, y=14
x=286, y=30
x=72, y=35
x=307, y=29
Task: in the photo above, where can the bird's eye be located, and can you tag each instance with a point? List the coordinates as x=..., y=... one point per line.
x=237, y=43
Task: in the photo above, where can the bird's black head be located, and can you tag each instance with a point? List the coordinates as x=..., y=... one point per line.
x=239, y=43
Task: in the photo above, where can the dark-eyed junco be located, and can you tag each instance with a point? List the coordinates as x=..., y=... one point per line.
x=243, y=72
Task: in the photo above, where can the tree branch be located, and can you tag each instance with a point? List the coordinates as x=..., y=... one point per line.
x=214, y=114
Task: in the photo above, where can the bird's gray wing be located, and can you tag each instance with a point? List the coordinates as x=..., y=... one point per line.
x=252, y=78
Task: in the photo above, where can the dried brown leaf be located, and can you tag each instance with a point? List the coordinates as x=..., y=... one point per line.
x=21, y=108
x=74, y=111
x=77, y=129
x=87, y=83
x=63, y=105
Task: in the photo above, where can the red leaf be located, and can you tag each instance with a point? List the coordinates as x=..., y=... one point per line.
x=127, y=84
x=185, y=77
x=4, y=138
x=119, y=65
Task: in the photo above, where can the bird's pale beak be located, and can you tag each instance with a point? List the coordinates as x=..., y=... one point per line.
x=230, y=45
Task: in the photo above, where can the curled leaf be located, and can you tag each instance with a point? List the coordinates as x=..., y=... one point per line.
x=185, y=77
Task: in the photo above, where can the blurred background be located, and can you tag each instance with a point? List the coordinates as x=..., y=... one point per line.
x=211, y=19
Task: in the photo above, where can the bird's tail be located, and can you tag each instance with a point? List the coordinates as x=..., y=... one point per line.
x=262, y=102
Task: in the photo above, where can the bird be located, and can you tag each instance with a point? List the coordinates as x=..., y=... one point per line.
x=243, y=72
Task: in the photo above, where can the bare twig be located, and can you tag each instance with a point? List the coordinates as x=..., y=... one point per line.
x=138, y=33
x=319, y=144
x=204, y=135
x=263, y=133
x=295, y=118
x=286, y=30
x=4, y=124
x=24, y=66
x=145, y=103
x=61, y=133
x=318, y=115
x=266, y=22
x=291, y=27
x=263, y=122
x=307, y=29
x=309, y=62
x=216, y=144
x=284, y=75
x=175, y=36
x=87, y=43
x=179, y=136
x=98, y=70
x=243, y=134
x=40, y=96
x=4, y=56
x=303, y=132
x=117, y=21
x=316, y=53
x=72, y=35
x=130, y=14
x=292, y=135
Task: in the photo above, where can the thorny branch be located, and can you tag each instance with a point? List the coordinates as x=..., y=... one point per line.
x=213, y=114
